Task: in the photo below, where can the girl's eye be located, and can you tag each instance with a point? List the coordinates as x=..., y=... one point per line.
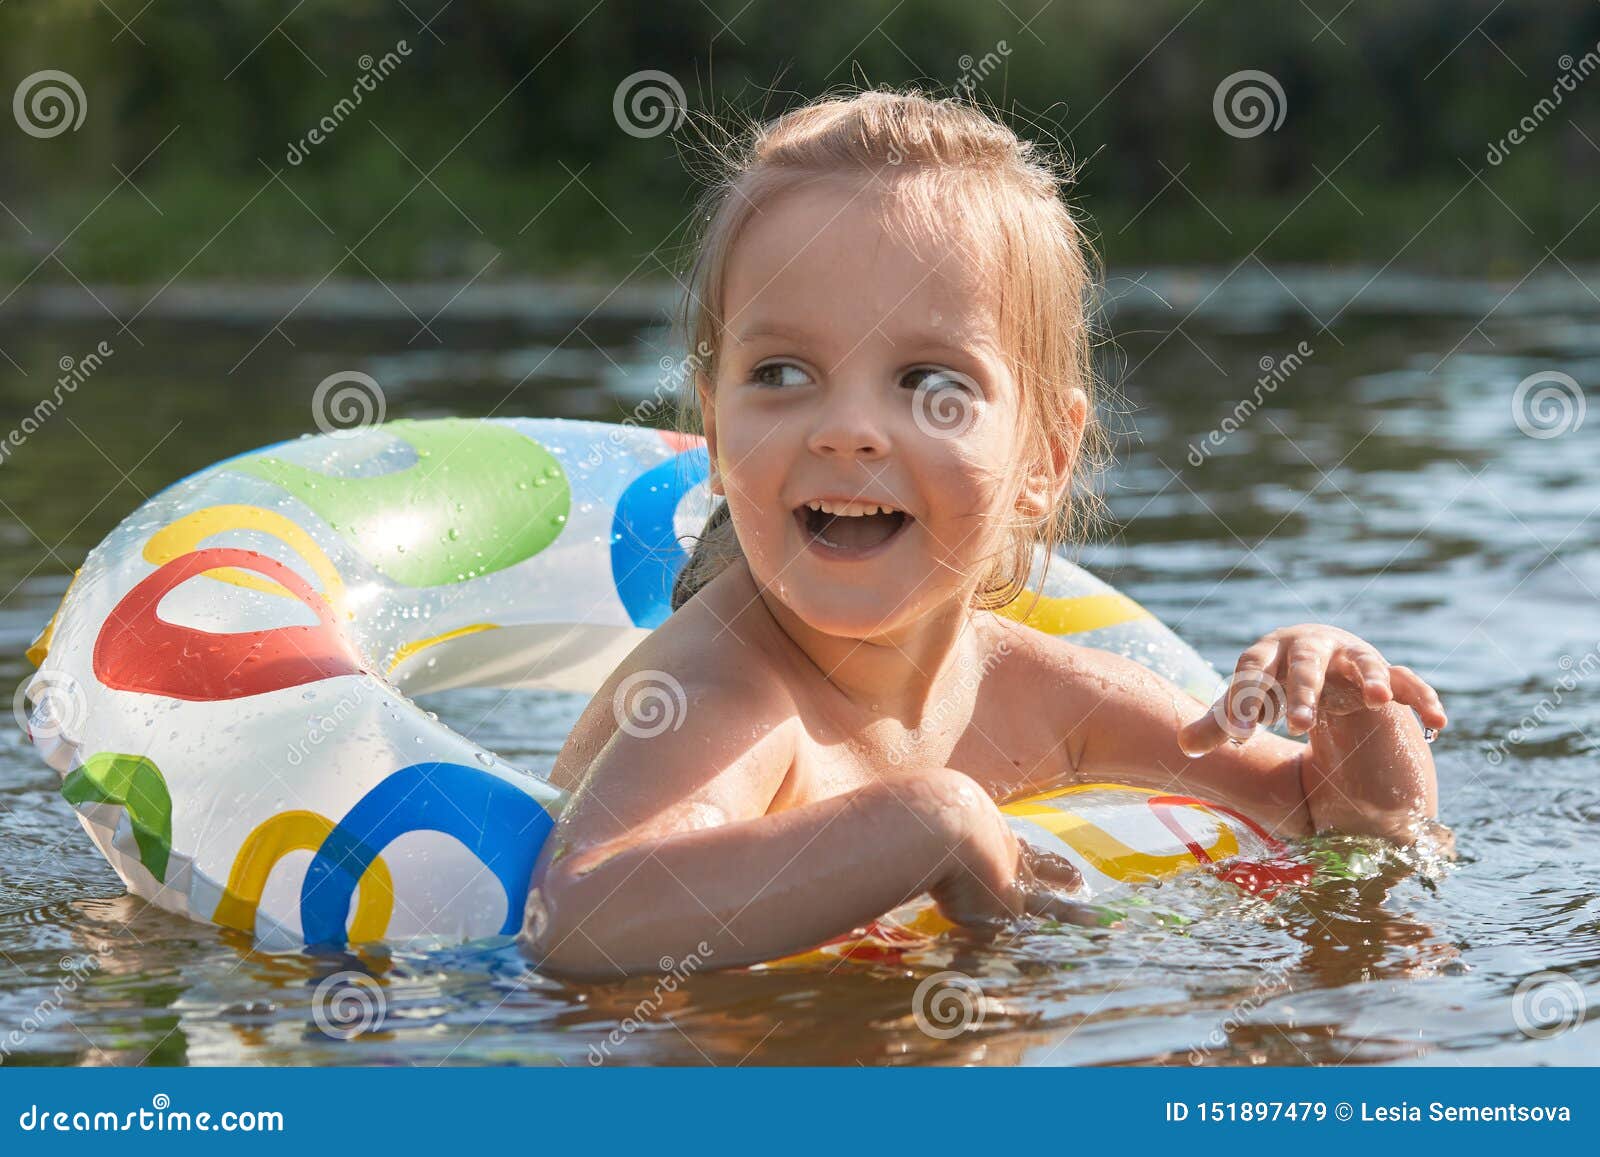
x=938, y=379
x=776, y=374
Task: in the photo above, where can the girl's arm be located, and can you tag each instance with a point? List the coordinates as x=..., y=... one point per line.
x=667, y=845
x=1367, y=769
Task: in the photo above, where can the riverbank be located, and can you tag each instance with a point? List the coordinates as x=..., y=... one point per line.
x=1237, y=297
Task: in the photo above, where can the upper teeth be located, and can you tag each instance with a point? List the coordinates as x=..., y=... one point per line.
x=849, y=509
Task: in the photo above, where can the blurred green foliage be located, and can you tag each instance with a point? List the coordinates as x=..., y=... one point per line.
x=496, y=134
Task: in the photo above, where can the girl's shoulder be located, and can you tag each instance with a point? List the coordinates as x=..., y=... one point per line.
x=704, y=670
x=1035, y=663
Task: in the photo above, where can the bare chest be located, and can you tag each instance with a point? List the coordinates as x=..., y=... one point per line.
x=1009, y=756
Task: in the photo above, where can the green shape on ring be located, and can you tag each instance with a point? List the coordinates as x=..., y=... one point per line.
x=481, y=497
x=137, y=785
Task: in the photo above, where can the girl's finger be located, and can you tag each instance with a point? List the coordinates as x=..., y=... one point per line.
x=1235, y=713
x=1250, y=688
x=1053, y=906
x=1373, y=673
x=1412, y=690
x=1307, y=671
x=1261, y=700
x=1204, y=734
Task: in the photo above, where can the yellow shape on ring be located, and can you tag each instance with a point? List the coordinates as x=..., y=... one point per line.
x=297, y=831
x=406, y=650
x=1072, y=616
x=188, y=532
x=1102, y=849
x=39, y=649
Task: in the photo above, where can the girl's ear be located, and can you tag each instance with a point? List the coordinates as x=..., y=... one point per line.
x=1045, y=486
x=708, y=419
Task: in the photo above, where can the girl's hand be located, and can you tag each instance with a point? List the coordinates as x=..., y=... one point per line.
x=998, y=878
x=1307, y=674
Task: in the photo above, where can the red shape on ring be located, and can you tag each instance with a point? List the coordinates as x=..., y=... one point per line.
x=138, y=651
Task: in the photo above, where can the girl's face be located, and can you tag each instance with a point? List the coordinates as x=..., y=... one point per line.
x=863, y=423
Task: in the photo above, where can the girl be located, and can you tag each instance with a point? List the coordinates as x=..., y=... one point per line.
x=896, y=398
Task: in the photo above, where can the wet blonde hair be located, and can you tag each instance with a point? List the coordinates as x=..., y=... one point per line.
x=949, y=165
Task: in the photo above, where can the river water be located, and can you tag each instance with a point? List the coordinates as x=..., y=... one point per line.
x=1385, y=475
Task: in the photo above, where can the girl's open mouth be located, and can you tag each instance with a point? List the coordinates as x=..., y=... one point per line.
x=849, y=531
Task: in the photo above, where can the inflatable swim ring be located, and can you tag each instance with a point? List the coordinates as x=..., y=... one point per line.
x=225, y=686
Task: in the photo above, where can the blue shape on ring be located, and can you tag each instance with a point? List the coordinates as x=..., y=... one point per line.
x=645, y=554
x=507, y=832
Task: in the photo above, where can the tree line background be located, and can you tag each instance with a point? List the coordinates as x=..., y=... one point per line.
x=500, y=121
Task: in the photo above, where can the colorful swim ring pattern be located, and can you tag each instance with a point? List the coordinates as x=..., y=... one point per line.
x=273, y=613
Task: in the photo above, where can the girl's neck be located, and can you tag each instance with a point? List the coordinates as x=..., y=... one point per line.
x=898, y=675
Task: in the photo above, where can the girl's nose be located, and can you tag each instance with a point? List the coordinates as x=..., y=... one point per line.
x=849, y=429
